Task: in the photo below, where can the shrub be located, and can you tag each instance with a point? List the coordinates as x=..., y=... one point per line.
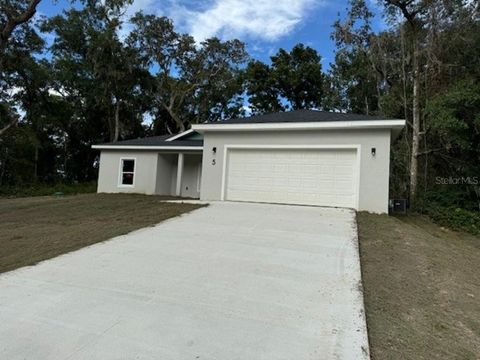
x=47, y=189
x=455, y=218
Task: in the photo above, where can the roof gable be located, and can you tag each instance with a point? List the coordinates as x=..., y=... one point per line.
x=186, y=135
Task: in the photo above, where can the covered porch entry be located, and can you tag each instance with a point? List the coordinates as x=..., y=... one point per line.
x=179, y=174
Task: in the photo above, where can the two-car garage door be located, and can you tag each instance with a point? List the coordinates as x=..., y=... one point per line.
x=326, y=177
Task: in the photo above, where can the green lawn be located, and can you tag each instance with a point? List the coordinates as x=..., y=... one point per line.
x=422, y=289
x=38, y=228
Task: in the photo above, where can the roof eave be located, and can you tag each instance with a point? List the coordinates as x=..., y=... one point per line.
x=180, y=135
x=147, y=147
x=325, y=125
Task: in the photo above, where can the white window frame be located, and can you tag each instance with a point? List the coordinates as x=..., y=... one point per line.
x=121, y=172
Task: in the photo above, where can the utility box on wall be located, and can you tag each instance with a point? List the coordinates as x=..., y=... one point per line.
x=397, y=206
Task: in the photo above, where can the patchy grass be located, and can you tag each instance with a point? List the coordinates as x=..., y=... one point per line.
x=422, y=289
x=39, y=228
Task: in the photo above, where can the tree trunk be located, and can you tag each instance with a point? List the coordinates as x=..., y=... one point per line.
x=64, y=155
x=176, y=119
x=117, y=122
x=35, y=170
x=415, y=124
x=12, y=122
x=404, y=74
x=3, y=165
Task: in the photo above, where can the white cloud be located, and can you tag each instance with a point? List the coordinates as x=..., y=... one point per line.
x=147, y=6
x=257, y=19
x=264, y=20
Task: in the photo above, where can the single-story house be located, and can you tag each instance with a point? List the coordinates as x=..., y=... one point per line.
x=302, y=157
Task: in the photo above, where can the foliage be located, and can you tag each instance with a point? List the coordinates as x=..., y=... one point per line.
x=455, y=218
x=353, y=74
x=298, y=77
x=19, y=41
x=455, y=208
x=432, y=47
x=454, y=116
x=259, y=82
x=193, y=82
x=293, y=81
x=96, y=71
x=46, y=189
x=14, y=18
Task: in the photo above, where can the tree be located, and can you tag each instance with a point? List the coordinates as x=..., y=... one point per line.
x=120, y=77
x=413, y=11
x=298, y=77
x=402, y=71
x=183, y=69
x=93, y=67
x=294, y=80
x=218, y=75
x=14, y=30
x=356, y=74
x=259, y=82
x=14, y=14
x=454, y=119
x=98, y=86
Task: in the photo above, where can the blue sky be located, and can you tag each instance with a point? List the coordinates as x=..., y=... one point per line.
x=264, y=25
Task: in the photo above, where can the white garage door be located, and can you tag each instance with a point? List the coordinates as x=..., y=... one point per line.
x=324, y=177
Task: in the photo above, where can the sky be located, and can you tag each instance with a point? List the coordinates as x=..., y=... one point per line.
x=264, y=25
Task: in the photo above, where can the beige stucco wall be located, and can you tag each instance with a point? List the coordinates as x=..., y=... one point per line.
x=191, y=171
x=145, y=171
x=374, y=171
x=155, y=173
x=166, y=168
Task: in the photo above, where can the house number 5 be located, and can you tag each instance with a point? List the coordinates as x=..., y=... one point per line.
x=213, y=162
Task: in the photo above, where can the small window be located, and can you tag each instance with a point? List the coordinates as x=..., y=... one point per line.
x=128, y=171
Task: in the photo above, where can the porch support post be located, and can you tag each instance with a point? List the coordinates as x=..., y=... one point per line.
x=178, y=189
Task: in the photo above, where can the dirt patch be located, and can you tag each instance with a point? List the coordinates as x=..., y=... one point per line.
x=38, y=228
x=421, y=288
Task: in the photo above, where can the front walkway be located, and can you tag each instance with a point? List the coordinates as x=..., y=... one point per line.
x=230, y=281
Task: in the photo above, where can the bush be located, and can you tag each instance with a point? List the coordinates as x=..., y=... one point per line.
x=47, y=189
x=455, y=218
x=453, y=208
x=460, y=197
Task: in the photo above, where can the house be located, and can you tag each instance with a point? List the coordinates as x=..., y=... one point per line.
x=300, y=157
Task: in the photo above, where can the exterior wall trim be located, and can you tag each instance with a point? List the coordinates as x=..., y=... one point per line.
x=356, y=147
x=138, y=147
x=182, y=134
x=359, y=124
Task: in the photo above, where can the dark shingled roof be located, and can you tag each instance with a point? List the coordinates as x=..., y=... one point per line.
x=279, y=117
x=156, y=141
x=299, y=116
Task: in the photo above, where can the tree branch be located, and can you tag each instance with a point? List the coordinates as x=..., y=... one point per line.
x=12, y=122
x=12, y=22
x=429, y=151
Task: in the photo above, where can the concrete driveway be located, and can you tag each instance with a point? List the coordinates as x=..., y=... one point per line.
x=230, y=281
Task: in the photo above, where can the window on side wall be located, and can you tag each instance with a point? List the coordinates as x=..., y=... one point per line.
x=127, y=172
